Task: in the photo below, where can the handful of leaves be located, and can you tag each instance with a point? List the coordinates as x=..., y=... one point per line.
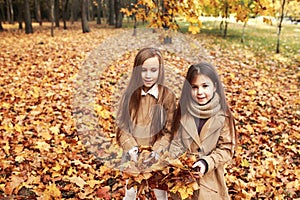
x=173, y=174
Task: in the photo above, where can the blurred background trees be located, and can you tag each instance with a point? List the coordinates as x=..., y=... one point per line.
x=158, y=13
x=164, y=14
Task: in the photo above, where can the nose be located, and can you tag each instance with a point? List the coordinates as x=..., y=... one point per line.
x=148, y=74
x=200, y=90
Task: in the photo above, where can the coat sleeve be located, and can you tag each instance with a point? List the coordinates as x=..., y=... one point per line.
x=126, y=140
x=177, y=148
x=163, y=141
x=223, y=151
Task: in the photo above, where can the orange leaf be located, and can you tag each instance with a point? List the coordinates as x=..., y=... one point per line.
x=103, y=193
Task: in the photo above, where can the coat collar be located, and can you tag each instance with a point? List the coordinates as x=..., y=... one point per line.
x=153, y=91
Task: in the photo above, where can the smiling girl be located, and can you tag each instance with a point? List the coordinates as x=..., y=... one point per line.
x=146, y=111
x=204, y=127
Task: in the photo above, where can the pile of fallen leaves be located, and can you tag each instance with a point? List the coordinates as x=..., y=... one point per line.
x=165, y=172
x=45, y=156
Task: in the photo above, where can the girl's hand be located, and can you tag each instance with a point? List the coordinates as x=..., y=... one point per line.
x=133, y=153
x=200, y=165
x=155, y=155
x=152, y=156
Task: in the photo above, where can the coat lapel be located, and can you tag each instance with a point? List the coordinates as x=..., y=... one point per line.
x=210, y=127
x=189, y=125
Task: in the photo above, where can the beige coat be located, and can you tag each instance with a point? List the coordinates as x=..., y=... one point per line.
x=215, y=145
x=141, y=130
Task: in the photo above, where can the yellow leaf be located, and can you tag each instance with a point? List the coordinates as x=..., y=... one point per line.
x=55, y=129
x=15, y=182
x=251, y=92
x=185, y=192
x=18, y=128
x=194, y=29
x=43, y=146
x=70, y=171
x=6, y=147
x=249, y=128
x=105, y=114
x=195, y=186
x=64, y=144
x=57, y=167
x=92, y=183
x=18, y=148
x=6, y=105
x=35, y=92
x=261, y=188
x=52, y=192
x=78, y=181
x=46, y=135
x=176, y=163
x=245, y=163
x=56, y=174
x=98, y=108
x=19, y=159
x=293, y=184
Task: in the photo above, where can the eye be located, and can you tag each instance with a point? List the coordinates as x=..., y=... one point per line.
x=194, y=87
x=205, y=85
x=144, y=69
x=154, y=70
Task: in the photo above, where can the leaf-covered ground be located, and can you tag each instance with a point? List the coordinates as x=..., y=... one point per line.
x=45, y=155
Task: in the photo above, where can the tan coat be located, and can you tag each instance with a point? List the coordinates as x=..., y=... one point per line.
x=215, y=145
x=141, y=130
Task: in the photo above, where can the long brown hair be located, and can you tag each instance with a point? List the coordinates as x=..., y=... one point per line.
x=202, y=68
x=131, y=98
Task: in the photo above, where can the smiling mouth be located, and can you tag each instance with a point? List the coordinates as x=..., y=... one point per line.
x=201, y=98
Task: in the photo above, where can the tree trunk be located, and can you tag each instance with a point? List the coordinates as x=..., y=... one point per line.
x=165, y=8
x=221, y=26
x=52, y=17
x=89, y=9
x=10, y=11
x=134, y=25
x=71, y=12
x=279, y=27
x=65, y=12
x=226, y=19
x=20, y=14
x=99, y=11
x=56, y=13
x=119, y=16
x=1, y=27
x=104, y=11
x=38, y=11
x=28, y=23
x=111, y=20
x=243, y=34
x=84, y=21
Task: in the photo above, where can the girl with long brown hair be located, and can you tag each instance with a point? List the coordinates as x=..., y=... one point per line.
x=146, y=111
x=204, y=128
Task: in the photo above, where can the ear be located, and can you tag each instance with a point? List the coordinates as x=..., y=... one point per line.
x=215, y=87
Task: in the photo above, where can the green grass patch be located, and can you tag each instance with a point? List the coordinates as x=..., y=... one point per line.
x=258, y=37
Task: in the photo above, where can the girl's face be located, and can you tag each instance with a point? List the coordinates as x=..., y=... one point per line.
x=150, y=71
x=202, y=88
